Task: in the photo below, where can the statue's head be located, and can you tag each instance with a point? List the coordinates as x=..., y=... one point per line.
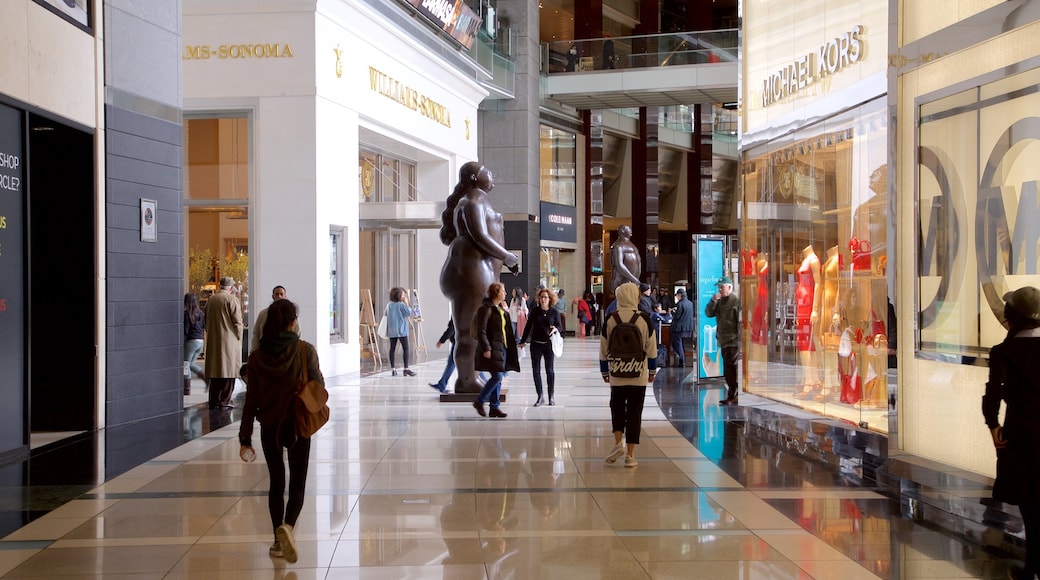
x=625, y=231
x=469, y=171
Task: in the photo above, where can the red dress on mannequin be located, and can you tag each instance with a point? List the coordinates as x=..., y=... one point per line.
x=759, y=322
x=804, y=295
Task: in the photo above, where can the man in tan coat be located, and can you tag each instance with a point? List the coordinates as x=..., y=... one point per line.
x=223, y=343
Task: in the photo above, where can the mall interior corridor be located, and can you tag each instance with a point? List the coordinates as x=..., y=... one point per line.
x=402, y=485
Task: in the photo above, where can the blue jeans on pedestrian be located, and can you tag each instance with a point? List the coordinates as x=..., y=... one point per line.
x=448, y=368
x=492, y=390
x=192, y=348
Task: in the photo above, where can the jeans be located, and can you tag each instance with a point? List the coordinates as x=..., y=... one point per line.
x=299, y=458
x=448, y=368
x=492, y=389
x=192, y=348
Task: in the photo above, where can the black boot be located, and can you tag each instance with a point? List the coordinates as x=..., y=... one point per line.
x=552, y=399
x=540, y=400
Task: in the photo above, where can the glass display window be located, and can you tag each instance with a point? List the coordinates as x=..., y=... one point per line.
x=814, y=258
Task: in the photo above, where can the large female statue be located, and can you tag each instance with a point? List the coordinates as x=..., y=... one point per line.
x=473, y=232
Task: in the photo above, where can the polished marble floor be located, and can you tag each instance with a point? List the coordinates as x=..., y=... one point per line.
x=402, y=485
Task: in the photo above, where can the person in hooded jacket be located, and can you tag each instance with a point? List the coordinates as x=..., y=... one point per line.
x=496, y=348
x=273, y=373
x=1013, y=379
x=627, y=394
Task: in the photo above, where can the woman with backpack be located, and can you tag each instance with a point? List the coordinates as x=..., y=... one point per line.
x=274, y=372
x=628, y=362
x=542, y=323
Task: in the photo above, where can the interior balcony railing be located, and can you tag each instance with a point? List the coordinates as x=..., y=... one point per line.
x=495, y=56
x=644, y=51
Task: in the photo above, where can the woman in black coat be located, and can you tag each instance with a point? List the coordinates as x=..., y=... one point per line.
x=1014, y=380
x=496, y=347
x=542, y=322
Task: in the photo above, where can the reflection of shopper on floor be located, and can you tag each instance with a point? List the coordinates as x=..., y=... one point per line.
x=724, y=307
x=223, y=343
x=1013, y=379
x=627, y=392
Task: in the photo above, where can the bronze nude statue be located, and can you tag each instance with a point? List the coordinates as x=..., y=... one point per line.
x=625, y=263
x=473, y=232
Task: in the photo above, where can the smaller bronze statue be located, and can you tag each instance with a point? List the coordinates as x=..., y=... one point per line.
x=625, y=263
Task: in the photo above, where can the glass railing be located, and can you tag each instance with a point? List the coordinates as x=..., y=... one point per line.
x=645, y=51
x=495, y=58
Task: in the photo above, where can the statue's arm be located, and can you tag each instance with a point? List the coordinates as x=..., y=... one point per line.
x=474, y=221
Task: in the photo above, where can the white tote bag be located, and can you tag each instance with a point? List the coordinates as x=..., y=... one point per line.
x=381, y=329
x=557, y=344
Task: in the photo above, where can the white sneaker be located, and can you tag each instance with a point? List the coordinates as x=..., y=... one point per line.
x=616, y=452
x=631, y=461
x=284, y=533
x=275, y=551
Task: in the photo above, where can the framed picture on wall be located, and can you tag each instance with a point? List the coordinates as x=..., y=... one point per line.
x=149, y=231
x=77, y=11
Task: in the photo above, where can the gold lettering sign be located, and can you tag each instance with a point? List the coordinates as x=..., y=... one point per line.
x=409, y=97
x=237, y=51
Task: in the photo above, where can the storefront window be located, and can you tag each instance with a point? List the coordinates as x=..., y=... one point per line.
x=385, y=178
x=978, y=212
x=337, y=254
x=216, y=199
x=814, y=263
x=557, y=163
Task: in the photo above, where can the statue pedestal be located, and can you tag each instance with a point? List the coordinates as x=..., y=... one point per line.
x=469, y=397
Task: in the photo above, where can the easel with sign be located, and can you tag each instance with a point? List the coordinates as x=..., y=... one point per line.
x=420, y=338
x=369, y=338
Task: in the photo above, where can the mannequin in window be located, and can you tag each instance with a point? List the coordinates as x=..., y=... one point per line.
x=473, y=232
x=760, y=322
x=831, y=271
x=808, y=299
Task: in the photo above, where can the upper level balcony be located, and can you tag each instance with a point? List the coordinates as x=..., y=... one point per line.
x=680, y=68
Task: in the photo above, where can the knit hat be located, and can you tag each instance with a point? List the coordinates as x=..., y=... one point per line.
x=1025, y=301
x=643, y=288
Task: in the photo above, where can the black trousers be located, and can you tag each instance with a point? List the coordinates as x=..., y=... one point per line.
x=626, y=411
x=404, y=349
x=220, y=390
x=540, y=350
x=299, y=459
x=730, y=358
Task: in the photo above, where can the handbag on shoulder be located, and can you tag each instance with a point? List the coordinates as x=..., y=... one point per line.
x=310, y=405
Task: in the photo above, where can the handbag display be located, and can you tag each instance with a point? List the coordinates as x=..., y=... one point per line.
x=860, y=254
x=310, y=406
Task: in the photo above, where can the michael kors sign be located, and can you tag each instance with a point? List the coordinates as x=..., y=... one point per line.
x=836, y=54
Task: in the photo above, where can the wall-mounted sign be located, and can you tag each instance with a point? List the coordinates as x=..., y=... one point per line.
x=395, y=90
x=829, y=58
x=452, y=16
x=558, y=222
x=237, y=51
x=149, y=231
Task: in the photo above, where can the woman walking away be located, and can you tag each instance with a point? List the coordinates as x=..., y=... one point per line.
x=1014, y=380
x=274, y=372
x=398, y=315
x=518, y=311
x=496, y=348
x=194, y=332
x=544, y=321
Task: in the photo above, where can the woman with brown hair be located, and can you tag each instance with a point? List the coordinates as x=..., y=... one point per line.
x=541, y=324
x=274, y=371
x=496, y=347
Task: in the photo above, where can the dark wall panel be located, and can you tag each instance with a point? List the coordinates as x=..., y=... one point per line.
x=145, y=279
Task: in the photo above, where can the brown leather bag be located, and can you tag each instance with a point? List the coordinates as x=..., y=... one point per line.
x=310, y=407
